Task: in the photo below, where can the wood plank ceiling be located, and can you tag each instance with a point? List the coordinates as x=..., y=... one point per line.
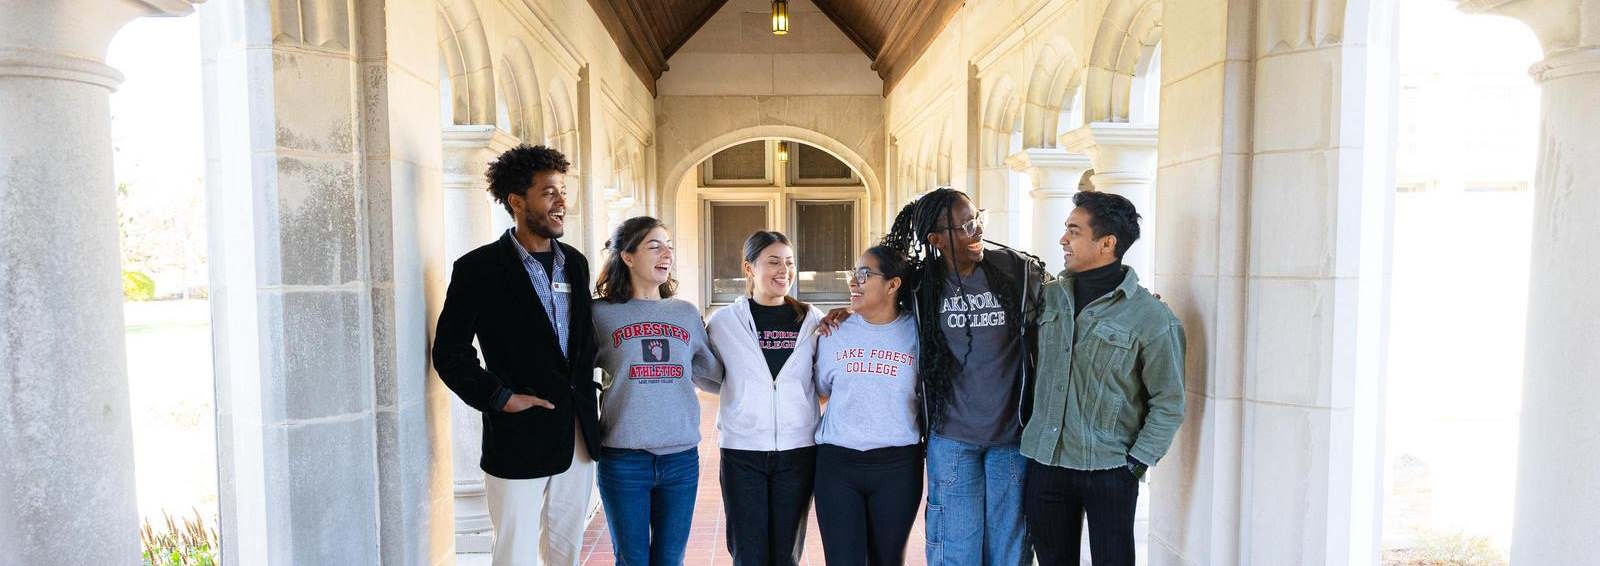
x=892, y=33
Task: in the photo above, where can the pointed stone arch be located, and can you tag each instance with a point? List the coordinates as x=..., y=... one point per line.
x=562, y=129
x=943, y=158
x=1057, y=75
x=464, y=47
x=1128, y=34
x=927, y=152
x=999, y=122
x=519, y=86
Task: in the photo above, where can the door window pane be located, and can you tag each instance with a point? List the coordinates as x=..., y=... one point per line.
x=824, y=238
x=742, y=164
x=731, y=225
x=814, y=166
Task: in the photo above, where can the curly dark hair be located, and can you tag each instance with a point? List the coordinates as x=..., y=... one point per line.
x=512, y=172
x=938, y=365
x=616, y=283
x=1110, y=214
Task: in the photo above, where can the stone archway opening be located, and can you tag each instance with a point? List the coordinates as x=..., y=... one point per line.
x=159, y=167
x=823, y=198
x=1465, y=155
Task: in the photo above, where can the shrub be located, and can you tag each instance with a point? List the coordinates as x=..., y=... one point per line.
x=136, y=286
x=193, y=544
x=1446, y=549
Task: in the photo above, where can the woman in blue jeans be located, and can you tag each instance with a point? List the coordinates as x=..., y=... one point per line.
x=654, y=351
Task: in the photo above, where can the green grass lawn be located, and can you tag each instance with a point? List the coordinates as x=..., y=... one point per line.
x=171, y=392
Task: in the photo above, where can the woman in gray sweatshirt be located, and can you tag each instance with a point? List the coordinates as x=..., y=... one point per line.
x=654, y=351
x=869, y=453
x=768, y=416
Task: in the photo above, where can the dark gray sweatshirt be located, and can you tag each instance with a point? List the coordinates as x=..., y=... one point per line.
x=653, y=353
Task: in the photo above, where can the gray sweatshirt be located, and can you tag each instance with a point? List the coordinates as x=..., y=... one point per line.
x=653, y=353
x=868, y=372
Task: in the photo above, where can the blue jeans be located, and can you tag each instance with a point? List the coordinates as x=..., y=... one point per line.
x=649, y=502
x=974, y=513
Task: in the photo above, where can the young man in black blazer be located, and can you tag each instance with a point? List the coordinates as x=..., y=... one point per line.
x=526, y=299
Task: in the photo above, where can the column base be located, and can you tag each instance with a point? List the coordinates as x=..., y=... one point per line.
x=474, y=530
x=475, y=543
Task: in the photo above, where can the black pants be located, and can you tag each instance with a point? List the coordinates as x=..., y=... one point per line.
x=866, y=503
x=1055, y=501
x=766, y=497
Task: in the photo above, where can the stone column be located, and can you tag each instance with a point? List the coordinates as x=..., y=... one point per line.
x=1558, y=491
x=993, y=191
x=1055, y=174
x=324, y=196
x=66, y=441
x=469, y=215
x=1124, y=157
x=1198, y=490
x=619, y=207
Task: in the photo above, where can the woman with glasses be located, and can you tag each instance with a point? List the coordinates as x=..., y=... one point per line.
x=977, y=311
x=654, y=351
x=869, y=457
x=767, y=421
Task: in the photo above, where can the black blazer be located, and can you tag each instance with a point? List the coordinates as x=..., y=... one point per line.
x=490, y=297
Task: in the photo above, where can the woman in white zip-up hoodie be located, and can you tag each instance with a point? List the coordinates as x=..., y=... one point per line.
x=768, y=417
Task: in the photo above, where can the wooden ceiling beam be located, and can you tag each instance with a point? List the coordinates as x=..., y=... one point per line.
x=699, y=21
x=912, y=41
x=831, y=10
x=632, y=39
x=901, y=29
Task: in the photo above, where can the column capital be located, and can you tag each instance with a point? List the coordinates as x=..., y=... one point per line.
x=1567, y=63
x=44, y=64
x=1096, y=135
x=1117, y=148
x=617, y=202
x=1562, y=26
x=67, y=39
x=170, y=7
x=468, y=149
x=1053, y=170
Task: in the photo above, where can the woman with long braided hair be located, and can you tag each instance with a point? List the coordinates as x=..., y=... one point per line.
x=975, y=307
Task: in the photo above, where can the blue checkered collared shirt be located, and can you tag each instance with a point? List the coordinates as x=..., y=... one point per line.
x=555, y=304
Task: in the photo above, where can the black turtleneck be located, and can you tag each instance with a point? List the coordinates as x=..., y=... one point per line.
x=1095, y=283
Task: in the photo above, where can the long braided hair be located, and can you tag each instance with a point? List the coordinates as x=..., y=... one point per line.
x=938, y=364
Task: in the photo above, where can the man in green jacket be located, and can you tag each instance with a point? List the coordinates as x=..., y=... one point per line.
x=1109, y=394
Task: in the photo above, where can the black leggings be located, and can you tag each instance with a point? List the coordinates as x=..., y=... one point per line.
x=867, y=502
x=767, y=496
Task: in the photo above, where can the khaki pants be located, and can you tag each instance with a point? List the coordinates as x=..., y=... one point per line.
x=541, y=521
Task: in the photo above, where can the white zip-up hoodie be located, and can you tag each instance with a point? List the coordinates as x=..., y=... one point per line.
x=758, y=412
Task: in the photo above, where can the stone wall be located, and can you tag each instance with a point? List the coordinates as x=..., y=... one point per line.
x=325, y=134
x=1001, y=78
x=1276, y=462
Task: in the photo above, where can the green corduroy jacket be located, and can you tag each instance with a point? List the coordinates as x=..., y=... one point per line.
x=1110, y=380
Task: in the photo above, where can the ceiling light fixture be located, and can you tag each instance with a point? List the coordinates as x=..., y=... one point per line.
x=783, y=151
x=780, y=17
